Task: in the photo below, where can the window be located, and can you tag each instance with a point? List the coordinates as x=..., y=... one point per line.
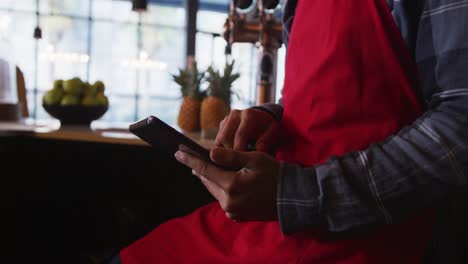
x=99, y=40
x=133, y=54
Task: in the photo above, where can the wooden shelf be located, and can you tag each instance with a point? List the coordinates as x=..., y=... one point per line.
x=99, y=134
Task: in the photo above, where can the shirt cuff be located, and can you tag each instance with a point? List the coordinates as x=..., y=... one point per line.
x=275, y=110
x=298, y=199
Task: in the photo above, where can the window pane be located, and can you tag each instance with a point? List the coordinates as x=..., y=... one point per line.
x=23, y=5
x=246, y=60
x=69, y=7
x=41, y=113
x=209, y=21
x=17, y=30
x=162, y=54
x=31, y=102
x=205, y=50
x=114, y=50
x=114, y=10
x=63, y=50
x=164, y=15
x=165, y=109
x=280, y=72
x=121, y=109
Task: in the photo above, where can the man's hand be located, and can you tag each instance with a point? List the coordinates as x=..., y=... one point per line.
x=248, y=194
x=241, y=127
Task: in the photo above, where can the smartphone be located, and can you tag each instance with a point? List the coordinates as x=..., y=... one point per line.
x=165, y=138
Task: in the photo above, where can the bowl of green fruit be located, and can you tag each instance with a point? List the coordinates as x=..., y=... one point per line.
x=75, y=102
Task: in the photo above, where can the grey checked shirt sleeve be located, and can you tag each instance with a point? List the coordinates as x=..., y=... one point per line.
x=410, y=170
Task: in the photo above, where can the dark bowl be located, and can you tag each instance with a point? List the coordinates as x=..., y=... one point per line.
x=75, y=114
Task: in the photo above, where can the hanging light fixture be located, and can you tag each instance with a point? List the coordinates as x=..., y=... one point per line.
x=37, y=33
x=37, y=30
x=139, y=5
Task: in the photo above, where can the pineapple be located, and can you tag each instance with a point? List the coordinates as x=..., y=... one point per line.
x=189, y=81
x=218, y=103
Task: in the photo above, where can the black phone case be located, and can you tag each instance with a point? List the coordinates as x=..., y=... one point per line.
x=166, y=139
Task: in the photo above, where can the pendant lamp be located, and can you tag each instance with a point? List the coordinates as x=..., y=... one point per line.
x=37, y=33
x=139, y=5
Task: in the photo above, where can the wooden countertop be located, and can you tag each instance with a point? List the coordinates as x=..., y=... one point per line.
x=98, y=132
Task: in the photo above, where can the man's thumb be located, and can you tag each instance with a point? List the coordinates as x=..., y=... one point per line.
x=229, y=158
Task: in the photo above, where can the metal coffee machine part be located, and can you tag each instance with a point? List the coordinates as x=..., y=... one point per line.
x=10, y=109
x=257, y=22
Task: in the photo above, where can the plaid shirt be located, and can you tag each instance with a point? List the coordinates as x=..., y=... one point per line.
x=413, y=169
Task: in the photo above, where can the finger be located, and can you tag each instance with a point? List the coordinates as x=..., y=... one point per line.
x=268, y=139
x=220, y=132
x=229, y=158
x=248, y=129
x=214, y=189
x=227, y=133
x=228, y=203
x=221, y=124
x=221, y=177
x=194, y=172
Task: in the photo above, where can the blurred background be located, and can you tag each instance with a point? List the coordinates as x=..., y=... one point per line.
x=71, y=194
x=133, y=53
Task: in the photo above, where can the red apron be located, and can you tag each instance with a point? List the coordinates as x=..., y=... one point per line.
x=348, y=84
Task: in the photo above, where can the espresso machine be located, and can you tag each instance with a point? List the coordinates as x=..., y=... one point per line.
x=258, y=22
